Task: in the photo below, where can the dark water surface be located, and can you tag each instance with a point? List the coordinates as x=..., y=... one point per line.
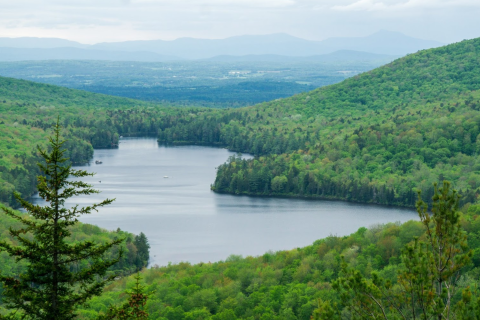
x=185, y=221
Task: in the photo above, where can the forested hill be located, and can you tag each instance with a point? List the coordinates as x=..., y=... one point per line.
x=28, y=111
x=285, y=285
x=28, y=92
x=374, y=138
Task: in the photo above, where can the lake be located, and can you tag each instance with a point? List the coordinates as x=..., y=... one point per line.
x=164, y=192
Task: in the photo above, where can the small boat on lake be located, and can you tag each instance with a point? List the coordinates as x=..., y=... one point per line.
x=165, y=177
x=98, y=162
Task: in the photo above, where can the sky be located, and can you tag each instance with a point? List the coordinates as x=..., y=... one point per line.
x=93, y=21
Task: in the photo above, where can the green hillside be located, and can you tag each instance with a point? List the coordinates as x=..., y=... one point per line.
x=28, y=111
x=26, y=92
x=377, y=138
x=284, y=285
x=372, y=138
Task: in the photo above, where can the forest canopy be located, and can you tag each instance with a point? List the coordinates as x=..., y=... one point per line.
x=376, y=137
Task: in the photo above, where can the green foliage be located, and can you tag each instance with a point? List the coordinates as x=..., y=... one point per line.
x=143, y=253
x=377, y=137
x=133, y=308
x=128, y=263
x=24, y=125
x=281, y=285
x=427, y=284
x=445, y=254
x=48, y=96
x=324, y=311
x=55, y=281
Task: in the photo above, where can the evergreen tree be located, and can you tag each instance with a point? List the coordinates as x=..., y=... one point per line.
x=143, y=255
x=427, y=283
x=56, y=281
x=133, y=308
x=324, y=311
x=433, y=266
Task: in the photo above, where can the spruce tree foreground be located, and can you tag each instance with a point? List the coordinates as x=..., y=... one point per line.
x=55, y=281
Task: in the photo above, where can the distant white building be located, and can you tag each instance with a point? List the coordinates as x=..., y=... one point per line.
x=238, y=72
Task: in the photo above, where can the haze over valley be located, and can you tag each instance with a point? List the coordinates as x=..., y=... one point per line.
x=229, y=72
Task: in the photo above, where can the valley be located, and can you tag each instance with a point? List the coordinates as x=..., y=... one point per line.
x=376, y=138
x=164, y=192
x=222, y=82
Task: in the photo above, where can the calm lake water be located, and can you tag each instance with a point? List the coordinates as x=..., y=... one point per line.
x=185, y=221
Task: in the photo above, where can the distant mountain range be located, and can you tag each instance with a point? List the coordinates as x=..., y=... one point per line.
x=340, y=55
x=258, y=46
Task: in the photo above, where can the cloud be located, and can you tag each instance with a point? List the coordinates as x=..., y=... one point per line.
x=166, y=3
x=91, y=21
x=247, y=3
x=392, y=5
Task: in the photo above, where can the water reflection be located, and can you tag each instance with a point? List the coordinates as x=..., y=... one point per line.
x=185, y=221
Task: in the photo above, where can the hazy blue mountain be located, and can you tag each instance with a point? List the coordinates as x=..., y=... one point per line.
x=383, y=42
x=270, y=46
x=341, y=55
x=22, y=54
x=31, y=42
x=191, y=48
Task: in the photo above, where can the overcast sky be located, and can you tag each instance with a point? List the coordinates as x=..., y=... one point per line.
x=92, y=21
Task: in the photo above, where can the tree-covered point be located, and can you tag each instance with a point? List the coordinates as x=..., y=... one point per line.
x=375, y=137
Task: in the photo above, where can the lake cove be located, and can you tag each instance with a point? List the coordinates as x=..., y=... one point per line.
x=165, y=193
